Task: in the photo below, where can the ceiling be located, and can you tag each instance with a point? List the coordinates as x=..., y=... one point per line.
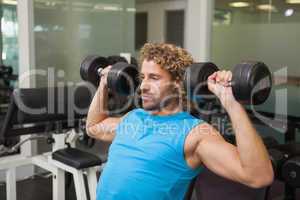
x=150, y=1
x=278, y=4
x=224, y=4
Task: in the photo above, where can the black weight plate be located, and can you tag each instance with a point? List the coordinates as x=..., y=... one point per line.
x=122, y=78
x=114, y=59
x=195, y=79
x=240, y=86
x=134, y=62
x=85, y=65
x=291, y=172
x=252, y=83
x=261, y=83
x=89, y=67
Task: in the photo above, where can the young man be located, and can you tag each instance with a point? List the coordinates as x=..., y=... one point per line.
x=156, y=151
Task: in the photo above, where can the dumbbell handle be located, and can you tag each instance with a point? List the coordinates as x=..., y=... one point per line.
x=99, y=71
x=230, y=84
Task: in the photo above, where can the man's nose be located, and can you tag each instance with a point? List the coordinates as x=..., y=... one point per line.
x=145, y=86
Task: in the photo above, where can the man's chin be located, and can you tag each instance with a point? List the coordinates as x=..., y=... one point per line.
x=149, y=107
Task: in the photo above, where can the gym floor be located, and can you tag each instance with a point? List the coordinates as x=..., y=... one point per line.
x=213, y=188
x=36, y=189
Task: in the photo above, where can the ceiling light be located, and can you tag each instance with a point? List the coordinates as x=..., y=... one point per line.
x=82, y=4
x=130, y=9
x=10, y=2
x=111, y=8
x=289, y=12
x=267, y=7
x=108, y=7
x=293, y=1
x=239, y=4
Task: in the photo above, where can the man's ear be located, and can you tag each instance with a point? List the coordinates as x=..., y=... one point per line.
x=177, y=84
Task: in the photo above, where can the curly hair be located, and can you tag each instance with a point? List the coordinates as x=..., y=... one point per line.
x=171, y=58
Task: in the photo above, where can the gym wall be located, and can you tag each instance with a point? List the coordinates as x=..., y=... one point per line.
x=65, y=34
x=156, y=16
x=269, y=37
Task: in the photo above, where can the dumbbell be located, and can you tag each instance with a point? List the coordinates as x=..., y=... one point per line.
x=251, y=82
x=122, y=78
x=6, y=69
x=286, y=163
x=115, y=58
x=291, y=171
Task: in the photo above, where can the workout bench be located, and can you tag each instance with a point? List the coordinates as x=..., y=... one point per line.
x=50, y=113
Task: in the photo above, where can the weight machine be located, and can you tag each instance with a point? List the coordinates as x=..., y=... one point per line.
x=56, y=114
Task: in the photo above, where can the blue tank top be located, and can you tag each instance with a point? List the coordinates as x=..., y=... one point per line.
x=146, y=159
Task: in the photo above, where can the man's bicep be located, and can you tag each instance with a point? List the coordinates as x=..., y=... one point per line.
x=220, y=156
x=105, y=130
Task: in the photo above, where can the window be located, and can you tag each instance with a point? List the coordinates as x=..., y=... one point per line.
x=265, y=31
x=175, y=27
x=141, y=23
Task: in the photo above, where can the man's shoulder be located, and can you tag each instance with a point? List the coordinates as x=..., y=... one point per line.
x=191, y=116
x=136, y=111
x=201, y=128
x=133, y=112
x=199, y=131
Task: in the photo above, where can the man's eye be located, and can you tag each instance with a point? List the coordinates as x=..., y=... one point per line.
x=155, y=77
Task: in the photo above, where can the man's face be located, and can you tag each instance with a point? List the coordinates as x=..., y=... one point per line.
x=157, y=86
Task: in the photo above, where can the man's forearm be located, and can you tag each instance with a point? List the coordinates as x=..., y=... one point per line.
x=98, y=108
x=252, y=151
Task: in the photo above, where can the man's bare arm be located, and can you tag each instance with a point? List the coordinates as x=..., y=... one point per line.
x=98, y=124
x=253, y=154
x=104, y=130
x=249, y=162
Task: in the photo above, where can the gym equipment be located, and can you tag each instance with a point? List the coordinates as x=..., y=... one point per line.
x=290, y=168
x=6, y=73
x=286, y=163
x=270, y=142
x=89, y=68
x=6, y=88
x=6, y=70
x=115, y=58
x=291, y=172
x=34, y=105
x=122, y=82
x=49, y=112
x=195, y=80
x=122, y=78
x=251, y=82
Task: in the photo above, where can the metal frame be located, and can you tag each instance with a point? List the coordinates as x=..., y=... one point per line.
x=25, y=16
x=45, y=161
x=11, y=163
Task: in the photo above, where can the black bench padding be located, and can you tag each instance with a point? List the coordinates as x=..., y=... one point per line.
x=76, y=158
